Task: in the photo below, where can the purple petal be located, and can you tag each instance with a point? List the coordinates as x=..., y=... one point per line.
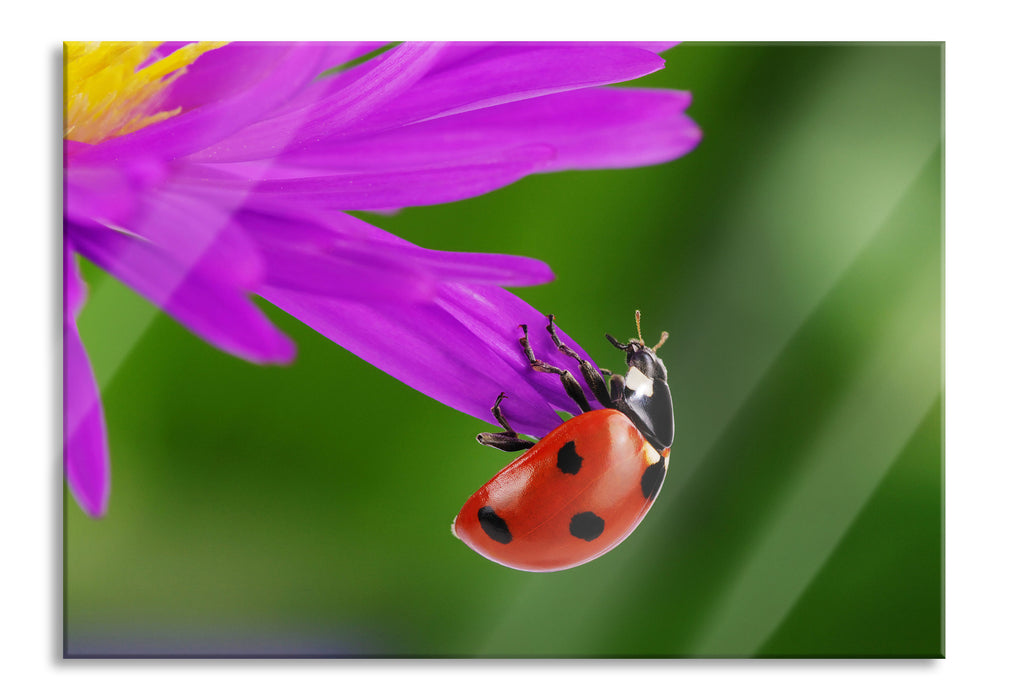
x=494, y=314
x=220, y=315
x=337, y=232
x=341, y=52
x=367, y=106
x=462, y=52
x=520, y=75
x=657, y=46
x=485, y=268
x=459, y=52
x=199, y=234
x=383, y=190
x=479, y=268
x=226, y=71
x=208, y=124
x=350, y=259
x=593, y=128
x=462, y=349
x=611, y=127
x=74, y=289
x=222, y=73
x=336, y=55
x=653, y=46
x=85, y=448
x=356, y=261
x=425, y=347
x=355, y=95
x=104, y=192
x=356, y=275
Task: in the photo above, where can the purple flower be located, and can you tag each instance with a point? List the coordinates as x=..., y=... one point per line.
x=203, y=174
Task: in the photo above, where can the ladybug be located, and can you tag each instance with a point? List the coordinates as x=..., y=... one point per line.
x=582, y=489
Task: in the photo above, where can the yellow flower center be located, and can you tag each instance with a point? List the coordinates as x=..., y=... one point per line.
x=107, y=96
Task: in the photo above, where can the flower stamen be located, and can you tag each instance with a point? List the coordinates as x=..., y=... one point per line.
x=106, y=94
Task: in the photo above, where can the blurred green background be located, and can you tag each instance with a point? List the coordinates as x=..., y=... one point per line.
x=795, y=257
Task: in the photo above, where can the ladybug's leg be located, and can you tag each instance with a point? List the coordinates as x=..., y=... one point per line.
x=592, y=376
x=508, y=441
x=616, y=343
x=571, y=385
x=616, y=389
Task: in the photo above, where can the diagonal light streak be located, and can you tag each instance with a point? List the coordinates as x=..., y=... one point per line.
x=843, y=468
x=910, y=344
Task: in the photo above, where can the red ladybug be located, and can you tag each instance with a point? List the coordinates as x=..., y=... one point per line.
x=583, y=488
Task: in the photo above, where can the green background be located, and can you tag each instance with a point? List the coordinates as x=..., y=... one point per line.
x=795, y=257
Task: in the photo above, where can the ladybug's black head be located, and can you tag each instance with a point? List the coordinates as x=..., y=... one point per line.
x=644, y=359
x=645, y=397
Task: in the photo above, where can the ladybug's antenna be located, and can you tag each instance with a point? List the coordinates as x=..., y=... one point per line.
x=664, y=338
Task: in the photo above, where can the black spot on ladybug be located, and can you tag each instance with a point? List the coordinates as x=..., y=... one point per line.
x=587, y=526
x=494, y=525
x=569, y=461
x=651, y=480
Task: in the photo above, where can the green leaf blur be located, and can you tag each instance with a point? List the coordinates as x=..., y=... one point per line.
x=796, y=260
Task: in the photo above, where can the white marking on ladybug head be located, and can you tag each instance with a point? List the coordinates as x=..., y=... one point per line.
x=651, y=454
x=638, y=382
